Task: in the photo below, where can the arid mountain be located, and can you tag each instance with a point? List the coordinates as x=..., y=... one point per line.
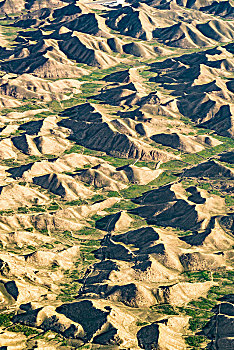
x=116, y=175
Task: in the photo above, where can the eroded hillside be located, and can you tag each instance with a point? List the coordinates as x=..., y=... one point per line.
x=116, y=175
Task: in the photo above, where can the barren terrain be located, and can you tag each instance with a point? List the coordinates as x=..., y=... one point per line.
x=116, y=175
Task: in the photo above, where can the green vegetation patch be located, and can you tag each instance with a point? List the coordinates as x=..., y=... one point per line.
x=5, y=319
x=195, y=340
x=134, y=191
x=197, y=276
x=163, y=179
x=229, y=200
x=20, y=109
x=88, y=231
x=122, y=205
x=76, y=202
x=174, y=165
x=166, y=309
x=23, y=329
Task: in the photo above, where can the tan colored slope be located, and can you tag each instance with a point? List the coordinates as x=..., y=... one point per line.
x=112, y=179
x=170, y=205
x=37, y=145
x=71, y=218
x=27, y=86
x=16, y=268
x=141, y=49
x=121, y=95
x=7, y=130
x=84, y=48
x=51, y=145
x=44, y=59
x=89, y=23
x=7, y=150
x=53, y=69
x=123, y=76
x=16, y=6
x=22, y=239
x=13, y=196
x=104, y=177
x=49, y=67
x=8, y=102
x=104, y=137
x=42, y=127
x=22, y=291
x=114, y=222
x=27, y=278
x=64, y=258
x=11, y=339
x=3, y=41
x=63, y=185
x=214, y=238
x=211, y=169
x=182, y=293
x=141, y=176
x=196, y=261
x=68, y=162
x=165, y=335
x=190, y=144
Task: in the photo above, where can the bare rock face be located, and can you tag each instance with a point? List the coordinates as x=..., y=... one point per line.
x=66, y=163
x=17, y=6
x=220, y=327
x=181, y=293
x=79, y=320
x=64, y=258
x=228, y=222
x=116, y=222
x=227, y=157
x=101, y=136
x=181, y=142
x=170, y=205
x=26, y=86
x=20, y=292
x=63, y=185
x=7, y=149
x=148, y=337
x=14, y=196
x=76, y=313
x=161, y=335
x=210, y=169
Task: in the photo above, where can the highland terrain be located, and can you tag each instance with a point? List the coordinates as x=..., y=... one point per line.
x=116, y=175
